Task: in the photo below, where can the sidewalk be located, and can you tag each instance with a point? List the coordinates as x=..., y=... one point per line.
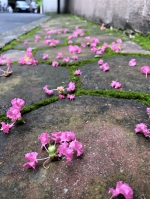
x=103, y=118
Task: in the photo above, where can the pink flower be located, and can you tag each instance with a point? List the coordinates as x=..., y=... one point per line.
x=64, y=150
x=67, y=136
x=132, y=62
x=102, y=26
x=78, y=72
x=148, y=111
x=95, y=40
x=75, y=57
x=100, y=62
x=14, y=114
x=143, y=129
x=45, y=56
x=83, y=45
x=115, y=84
x=71, y=87
x=87, y=38
x=122, y=188
x=25, y=43
x=44, y=138
x=59, y=56
x=99, y=52
x=32, y=157
x=71, y=97
x=18, y=103
x=104, y=67
x=49, y=92
x=145, y=70
x=8, y=62
x=37, y=37
x=3, y=57
x=6, y=127
x=119, y=41
x=61, y=96
x=94, y=50
x=55, y=64
x=77, y=146
x=56, y=137
x=70, y=42
x=66, y=59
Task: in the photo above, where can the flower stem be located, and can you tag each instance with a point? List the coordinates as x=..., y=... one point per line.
x=43, y=159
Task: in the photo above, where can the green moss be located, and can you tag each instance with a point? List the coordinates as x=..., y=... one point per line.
x=3, y=118
x=142, y=40
x=27, y=109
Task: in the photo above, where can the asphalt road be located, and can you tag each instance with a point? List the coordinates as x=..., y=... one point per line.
x=10, y=21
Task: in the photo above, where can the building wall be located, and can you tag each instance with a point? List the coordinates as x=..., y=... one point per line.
x=51, y=5
x=123, y=14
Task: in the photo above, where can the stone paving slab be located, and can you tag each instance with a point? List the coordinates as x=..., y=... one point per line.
x=27, y=83
x=14, y=55
x=112, y=151
x=130, y=77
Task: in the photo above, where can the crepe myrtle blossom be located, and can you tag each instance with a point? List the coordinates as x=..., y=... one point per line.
x=71, y=97
x=70, y=42
x=78, y=72
x=2, y=57
x=115, y=47
x=14, y=113
x=66, y=59
x=87, y=38
x=100, y=62
x=145, y=70
x=26, y=43
x=45, y=56
x=115, y=84
x=18, y=103
x=28, y=58
x=57, y=144
x=49, y=92
x=55, y=64
x=6, y=127
x=142, y=128
x=62, y=92
x=104, y=67
x=123, y=189
x=83, y=45
x=71, y=87
x=102, y=26
x=75, y=57
x=59, y=56
x=61, y=96
x=132, y=62
x=119, y=41
x=148, y=111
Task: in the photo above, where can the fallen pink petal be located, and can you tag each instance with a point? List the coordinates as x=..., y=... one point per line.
x=123, y=189
x=132, y=62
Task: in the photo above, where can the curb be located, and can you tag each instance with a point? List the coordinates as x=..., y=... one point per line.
x=17, y=32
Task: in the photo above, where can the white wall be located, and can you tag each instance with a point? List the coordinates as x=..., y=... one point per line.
x=51, y=5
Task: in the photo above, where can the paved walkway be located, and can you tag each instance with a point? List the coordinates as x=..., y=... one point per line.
x=102, y=118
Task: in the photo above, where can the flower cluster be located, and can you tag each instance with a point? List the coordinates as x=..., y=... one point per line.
x=123, y=189
x=14, y=114
x=51, y=42
x=57, y=145
x=75, y=49
x=76, y=33
x=5, y=73
x=62, y=92
x=116, y=46
x=28, y=58
x=57, y=31
x=37, y=38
